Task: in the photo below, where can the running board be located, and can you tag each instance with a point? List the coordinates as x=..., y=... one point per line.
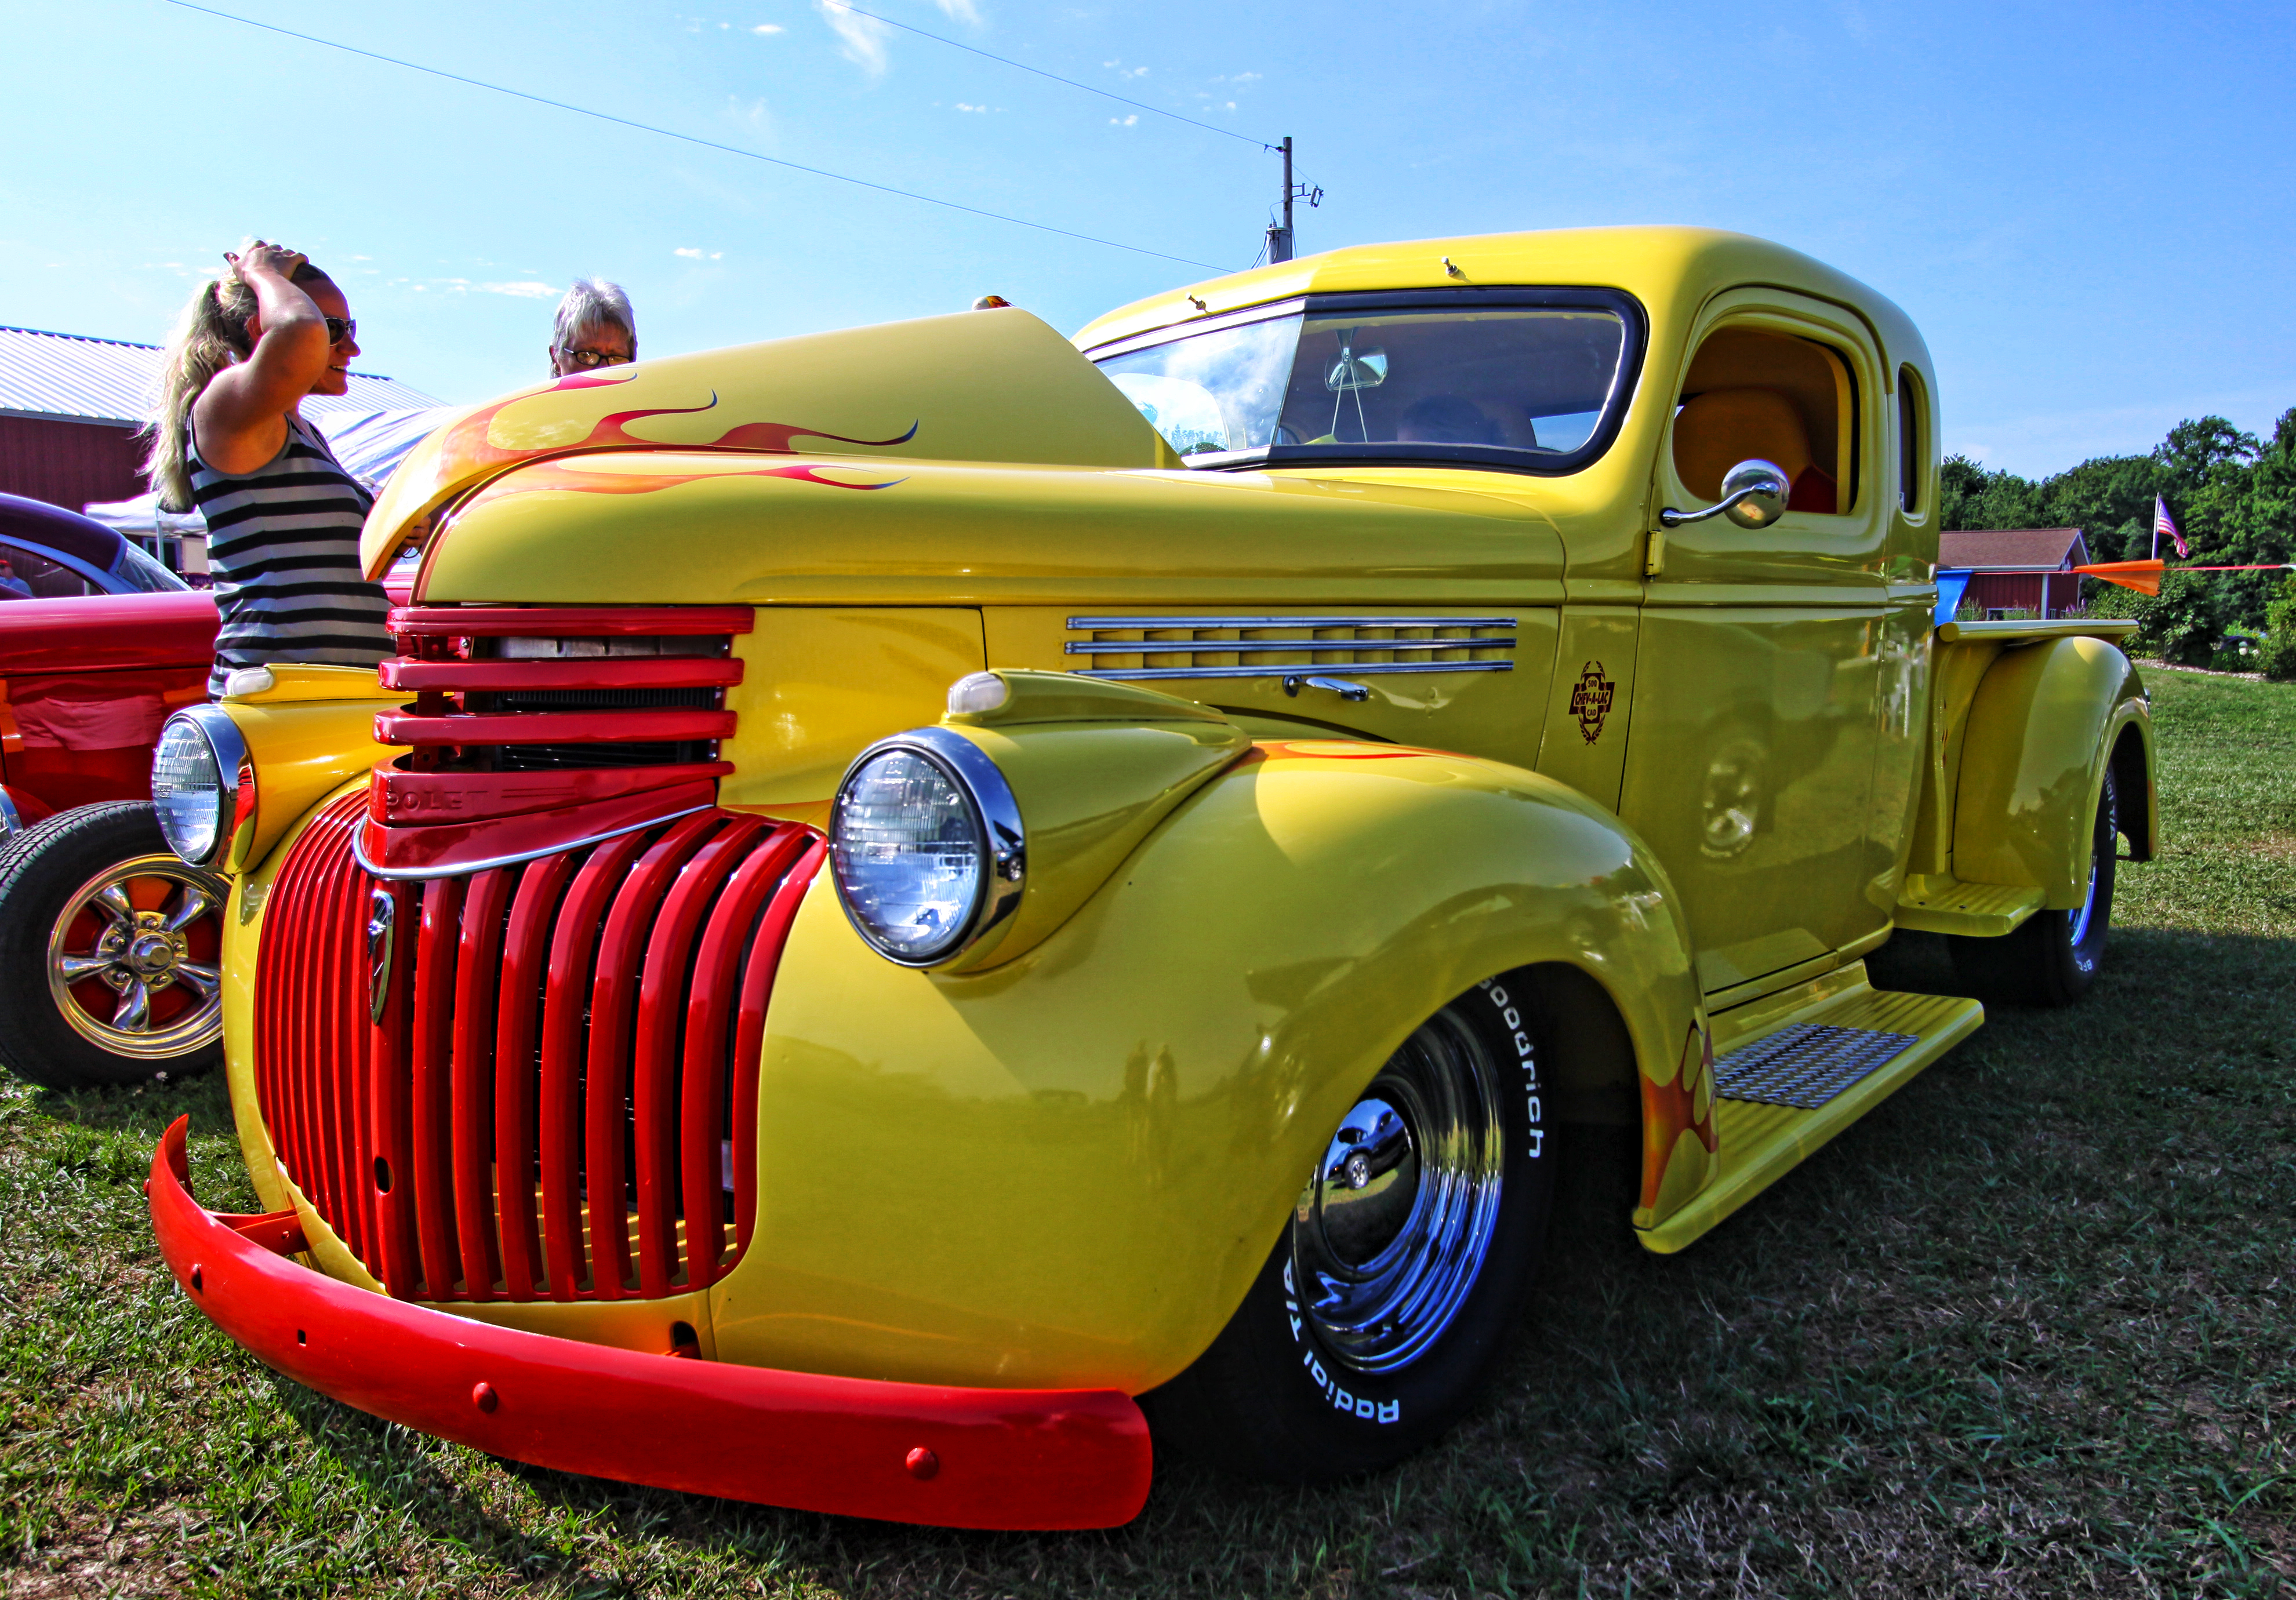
x=1817, y=1067
x=1946, y=905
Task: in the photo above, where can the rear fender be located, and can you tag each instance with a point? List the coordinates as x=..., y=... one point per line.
x=1075, y=1161
x=2044, y=725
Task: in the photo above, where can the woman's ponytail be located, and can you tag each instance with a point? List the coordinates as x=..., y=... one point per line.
x=210, y=335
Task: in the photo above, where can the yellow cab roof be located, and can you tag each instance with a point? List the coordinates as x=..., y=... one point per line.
x=1670, y=270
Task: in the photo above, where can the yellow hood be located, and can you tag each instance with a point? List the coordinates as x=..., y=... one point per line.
x=977, y=386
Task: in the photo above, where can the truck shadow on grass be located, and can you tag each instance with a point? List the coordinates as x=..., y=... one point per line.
x=2014, y=1331
x=2018, y=1330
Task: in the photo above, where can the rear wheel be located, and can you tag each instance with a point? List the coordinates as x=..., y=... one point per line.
x=2052, y=958
x=1398, y=1281
x=109, y=946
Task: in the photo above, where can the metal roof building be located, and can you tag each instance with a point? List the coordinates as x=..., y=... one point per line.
x=71, y=376
x=71, y=405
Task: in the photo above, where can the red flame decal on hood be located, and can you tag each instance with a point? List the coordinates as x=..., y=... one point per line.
x=553, y=475
x=468, y=442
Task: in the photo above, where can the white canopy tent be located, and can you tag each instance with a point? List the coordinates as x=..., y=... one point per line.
x=370, y=444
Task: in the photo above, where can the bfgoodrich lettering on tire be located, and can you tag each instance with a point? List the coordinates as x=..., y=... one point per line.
x=1400, y=1280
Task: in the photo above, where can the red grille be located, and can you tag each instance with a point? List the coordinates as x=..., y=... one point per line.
x=558, y=1100
x=518, y=687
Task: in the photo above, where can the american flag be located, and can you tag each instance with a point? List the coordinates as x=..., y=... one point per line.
x=2162, y=523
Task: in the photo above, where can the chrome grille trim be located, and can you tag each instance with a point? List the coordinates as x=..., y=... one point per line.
x=1367, y=636
x=1102, y=624
x=1352, y=669
x=1263, y=647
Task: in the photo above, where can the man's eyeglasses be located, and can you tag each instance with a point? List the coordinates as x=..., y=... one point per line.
x=586, y=359
x=339, y=328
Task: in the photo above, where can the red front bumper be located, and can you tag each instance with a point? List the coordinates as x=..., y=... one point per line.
x=907, y=1452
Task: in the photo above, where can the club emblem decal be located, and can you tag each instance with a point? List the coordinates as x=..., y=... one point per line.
x=1590, y=700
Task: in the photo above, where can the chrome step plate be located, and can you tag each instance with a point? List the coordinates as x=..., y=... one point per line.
x=1806, y=1065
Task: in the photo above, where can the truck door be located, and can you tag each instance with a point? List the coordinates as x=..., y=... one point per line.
x=1751, y=743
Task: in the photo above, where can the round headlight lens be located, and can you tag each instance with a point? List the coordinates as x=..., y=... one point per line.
x=195, y=794
x=910, y=854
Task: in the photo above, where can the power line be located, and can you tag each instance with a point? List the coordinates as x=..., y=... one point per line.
x=734, y=150
x=1040, y=72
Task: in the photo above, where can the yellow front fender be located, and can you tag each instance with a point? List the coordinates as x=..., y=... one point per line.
x=1066, y=1169
x=2046, y=720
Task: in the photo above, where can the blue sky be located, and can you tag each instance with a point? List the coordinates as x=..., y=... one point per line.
x=2087, y=209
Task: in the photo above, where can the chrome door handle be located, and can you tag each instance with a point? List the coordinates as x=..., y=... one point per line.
x=1294, y=682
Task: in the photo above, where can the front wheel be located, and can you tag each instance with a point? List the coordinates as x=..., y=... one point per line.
x=1399, y=1279
x=2053, y=957
x=107, y=952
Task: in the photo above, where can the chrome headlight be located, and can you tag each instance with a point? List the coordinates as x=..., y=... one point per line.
x=926, y=846
x=203, y=783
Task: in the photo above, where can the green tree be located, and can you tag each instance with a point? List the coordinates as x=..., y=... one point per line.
x=2279, y=662
x=2233, y=495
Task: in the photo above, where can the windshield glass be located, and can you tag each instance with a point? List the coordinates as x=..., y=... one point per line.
x=142, y=574
x=1523, y=385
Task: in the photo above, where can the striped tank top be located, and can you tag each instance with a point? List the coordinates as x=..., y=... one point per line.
x=282, y=545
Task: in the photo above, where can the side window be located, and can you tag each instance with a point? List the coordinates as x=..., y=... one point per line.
x=27, y=574
x=1750, y=393
x=1912, y=417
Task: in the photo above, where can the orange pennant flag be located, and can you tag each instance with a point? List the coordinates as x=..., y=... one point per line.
x=2143, y=576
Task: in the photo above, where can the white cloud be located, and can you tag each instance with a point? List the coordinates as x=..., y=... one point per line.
x=963, y=107
x=1131, y=121
x=864, y=38
x=1242, y=77
x=524, y=289
x=697, y=254
x=961, y=11
x=766, y=29
x=1134, y=72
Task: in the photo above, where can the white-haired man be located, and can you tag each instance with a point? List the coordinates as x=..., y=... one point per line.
x=595, y=328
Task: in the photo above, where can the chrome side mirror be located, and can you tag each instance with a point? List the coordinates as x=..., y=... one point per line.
x=1754, y=495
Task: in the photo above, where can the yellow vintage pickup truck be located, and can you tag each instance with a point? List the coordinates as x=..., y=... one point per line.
x=918, y=902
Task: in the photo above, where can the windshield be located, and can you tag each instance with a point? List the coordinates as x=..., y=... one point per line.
x=1493, y=378
x=140, y=574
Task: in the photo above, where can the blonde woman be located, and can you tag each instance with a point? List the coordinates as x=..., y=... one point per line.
x=283, y=516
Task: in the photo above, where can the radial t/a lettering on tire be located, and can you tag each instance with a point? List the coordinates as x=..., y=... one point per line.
x=1398, y=1281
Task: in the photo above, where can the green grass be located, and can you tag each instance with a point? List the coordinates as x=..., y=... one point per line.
x=2026, y=1330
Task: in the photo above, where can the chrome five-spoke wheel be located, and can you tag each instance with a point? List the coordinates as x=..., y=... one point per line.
x=110, y=952
x=131, y=968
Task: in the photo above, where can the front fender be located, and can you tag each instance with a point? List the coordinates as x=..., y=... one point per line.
x=2044, y=724
x=1074, y=1163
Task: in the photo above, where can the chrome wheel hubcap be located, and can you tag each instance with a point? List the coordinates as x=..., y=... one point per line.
x=1392, y=1231
x=106, y=988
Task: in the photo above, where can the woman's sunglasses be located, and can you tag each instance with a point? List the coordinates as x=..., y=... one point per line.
x=339, y=328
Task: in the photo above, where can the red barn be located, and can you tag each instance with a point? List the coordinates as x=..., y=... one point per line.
x=2003, y=564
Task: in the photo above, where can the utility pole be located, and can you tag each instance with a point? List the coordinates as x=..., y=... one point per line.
x=1279, y=233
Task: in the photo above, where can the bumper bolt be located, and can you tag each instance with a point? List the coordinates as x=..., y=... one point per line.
x=483, y=1396
x=922, y=1463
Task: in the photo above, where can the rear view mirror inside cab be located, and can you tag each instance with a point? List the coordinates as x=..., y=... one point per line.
x=1750, y=393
